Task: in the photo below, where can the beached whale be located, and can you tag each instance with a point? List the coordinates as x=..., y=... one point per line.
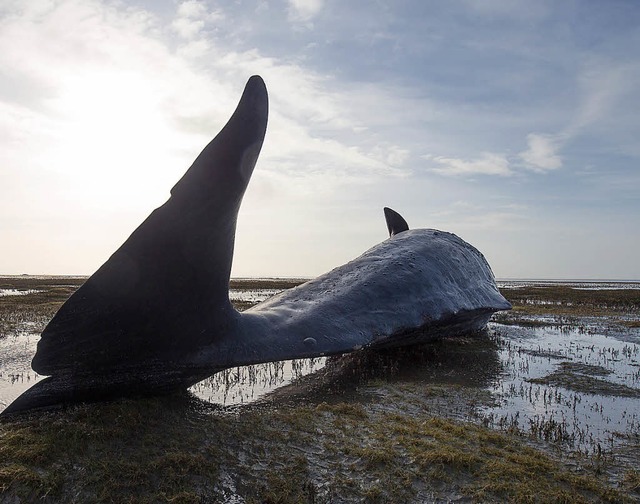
x=156, y=317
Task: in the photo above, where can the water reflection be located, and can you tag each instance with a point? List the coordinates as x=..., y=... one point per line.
x=242, y=385
x=16, y=375
x=576, y=387
x=17, y=292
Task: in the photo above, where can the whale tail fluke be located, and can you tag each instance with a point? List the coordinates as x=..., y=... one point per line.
x=395, y=222
x=166, y=287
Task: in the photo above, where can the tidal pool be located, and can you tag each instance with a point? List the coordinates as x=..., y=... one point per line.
x=16, y=375
x=579, y=387
x=246, y=384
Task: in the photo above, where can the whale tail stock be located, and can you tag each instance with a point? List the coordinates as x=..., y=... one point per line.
x=139, y=306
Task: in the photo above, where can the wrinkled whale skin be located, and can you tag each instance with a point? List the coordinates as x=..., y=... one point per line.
x=156, y=317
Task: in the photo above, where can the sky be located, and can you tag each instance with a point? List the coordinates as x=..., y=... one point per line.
x=511, y=123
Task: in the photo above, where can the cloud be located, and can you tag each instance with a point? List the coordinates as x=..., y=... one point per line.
x=604, y=88
x=186, y=27
x=304, y=10
x=192, y=17
x=604, y=91
x=104, y=105
x=514, y=9
x=87, y=78
x=96, y=125
x=466, y=216
x=608, y=98
x=541, y=155
x=392, y=155
x=488, y=164
x=192, y=9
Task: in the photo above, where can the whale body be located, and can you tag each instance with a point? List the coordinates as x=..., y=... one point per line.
x=156, y=317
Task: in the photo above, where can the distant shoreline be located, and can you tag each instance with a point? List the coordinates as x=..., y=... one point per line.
x=573, y=284
x=569, y=280
x=304, y=279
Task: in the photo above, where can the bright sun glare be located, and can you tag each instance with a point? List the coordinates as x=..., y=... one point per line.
x=115, y=142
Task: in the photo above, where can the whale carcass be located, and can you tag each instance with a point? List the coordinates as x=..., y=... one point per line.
x=156, y=317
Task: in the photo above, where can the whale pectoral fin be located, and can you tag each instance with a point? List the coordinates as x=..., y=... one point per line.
x=395, y=222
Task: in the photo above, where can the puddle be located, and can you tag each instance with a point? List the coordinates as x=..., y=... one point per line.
x=16, y=375
x=17, y=292
x=246, y=384
x=564, y=385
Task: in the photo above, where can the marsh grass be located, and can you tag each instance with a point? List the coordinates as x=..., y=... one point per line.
x=265, y=283
x=565, y=308
x=140, y=451
x=171, y=450
x=32, y=311
x=566, y=301
x=632, y=480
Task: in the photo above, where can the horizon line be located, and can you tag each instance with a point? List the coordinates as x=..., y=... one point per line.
x=298, y=277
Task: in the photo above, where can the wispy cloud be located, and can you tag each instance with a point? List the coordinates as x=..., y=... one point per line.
x=604, y=86
x=541, y=154
x=474, y=217
x=487, y=164
x=304, y=10
x=518, y=9
x=192, y=16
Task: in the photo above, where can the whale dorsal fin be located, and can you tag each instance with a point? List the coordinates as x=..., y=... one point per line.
x=166, y=287
x=395, y=222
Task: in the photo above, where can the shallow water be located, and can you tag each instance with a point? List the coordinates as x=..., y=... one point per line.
x=569, y=412
x=17, y=292
x=246, y=384
x=252, y=295
x=16, y=375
